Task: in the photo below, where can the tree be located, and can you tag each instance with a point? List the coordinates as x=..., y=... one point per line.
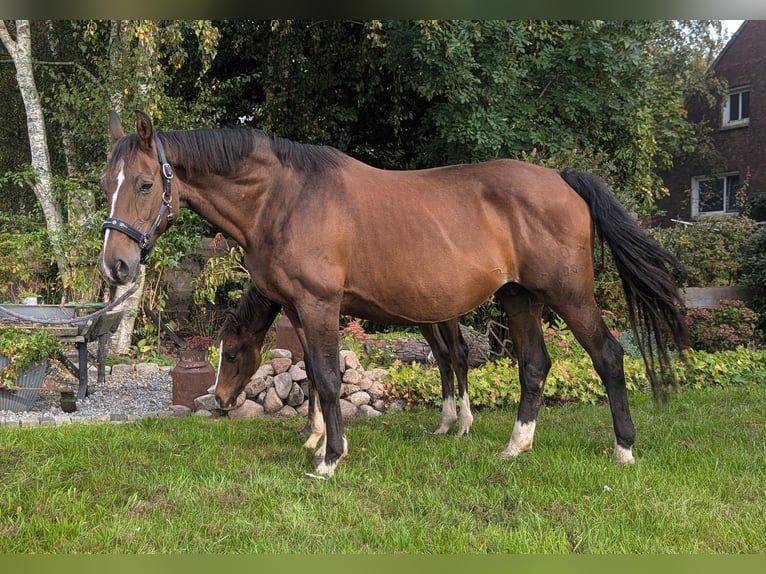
x=41, y=178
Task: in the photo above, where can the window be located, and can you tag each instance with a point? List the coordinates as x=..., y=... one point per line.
x=715, y=195
x=736, y=108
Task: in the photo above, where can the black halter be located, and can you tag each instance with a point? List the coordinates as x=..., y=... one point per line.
x=167, y=200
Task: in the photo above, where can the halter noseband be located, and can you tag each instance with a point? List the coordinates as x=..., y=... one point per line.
x=167, y=202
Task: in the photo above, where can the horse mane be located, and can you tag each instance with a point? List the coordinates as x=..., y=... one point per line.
x=223, y=151
x=249, y=310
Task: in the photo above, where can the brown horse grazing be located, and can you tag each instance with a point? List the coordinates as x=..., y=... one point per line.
x=243, y=331
x=325, y=234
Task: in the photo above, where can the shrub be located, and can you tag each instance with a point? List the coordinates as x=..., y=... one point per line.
x=754, y=274
x=722, y=328
x=709, y=249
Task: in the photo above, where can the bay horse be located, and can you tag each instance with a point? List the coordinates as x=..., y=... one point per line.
x=325, y=234
x=244, y=329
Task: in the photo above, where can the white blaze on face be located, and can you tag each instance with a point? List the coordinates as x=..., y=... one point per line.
x=120, y=181
x=220, y=358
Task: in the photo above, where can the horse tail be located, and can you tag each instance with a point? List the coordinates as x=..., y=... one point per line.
x=645, y=269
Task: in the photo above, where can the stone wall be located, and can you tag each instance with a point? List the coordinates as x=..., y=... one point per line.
x=280, y=388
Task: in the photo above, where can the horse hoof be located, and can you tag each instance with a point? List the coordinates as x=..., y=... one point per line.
x=623, y=455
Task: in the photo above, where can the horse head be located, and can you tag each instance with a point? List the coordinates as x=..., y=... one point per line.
x=138, y=189
x=239, y=359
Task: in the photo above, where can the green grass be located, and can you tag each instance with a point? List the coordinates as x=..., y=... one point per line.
x=201, y=486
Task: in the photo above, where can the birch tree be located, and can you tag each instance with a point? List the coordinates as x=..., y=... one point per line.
x=41, y=180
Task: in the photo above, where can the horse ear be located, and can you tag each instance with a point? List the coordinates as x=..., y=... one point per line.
x=115, y=126
x=144, y=130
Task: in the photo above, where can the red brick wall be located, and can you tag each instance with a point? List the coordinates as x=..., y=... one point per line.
x=743, y=149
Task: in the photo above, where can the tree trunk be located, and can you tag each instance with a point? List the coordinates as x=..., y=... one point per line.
x=20, y=51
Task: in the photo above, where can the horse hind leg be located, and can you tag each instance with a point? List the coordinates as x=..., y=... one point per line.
x=587, y=325
x=441, y=353
x=458, y=350
x=523, y=313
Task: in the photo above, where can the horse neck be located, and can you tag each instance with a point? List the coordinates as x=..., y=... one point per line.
x=232, y=204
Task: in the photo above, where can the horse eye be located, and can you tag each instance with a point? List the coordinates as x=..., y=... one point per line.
x=145, y=186
x=230, y=357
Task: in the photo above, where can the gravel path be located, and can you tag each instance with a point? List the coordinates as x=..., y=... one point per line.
x=128, y=393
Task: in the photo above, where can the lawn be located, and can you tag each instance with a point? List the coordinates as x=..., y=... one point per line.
x=194, y=485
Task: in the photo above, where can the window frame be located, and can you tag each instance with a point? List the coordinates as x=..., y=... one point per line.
x=729, y=199
x=726, y=122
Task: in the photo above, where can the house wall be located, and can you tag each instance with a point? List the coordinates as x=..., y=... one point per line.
x=742, y=149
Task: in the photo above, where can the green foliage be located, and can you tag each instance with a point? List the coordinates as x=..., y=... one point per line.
x=709, y=250
x=724, y=368
x=221, y=273
x=726, y=327
x=572, y=378
x=754, y=272
x=21, y=348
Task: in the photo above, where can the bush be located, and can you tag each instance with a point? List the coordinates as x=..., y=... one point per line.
x=754, y=274
x=722, y=328
x=572, y=378
x=709, y=250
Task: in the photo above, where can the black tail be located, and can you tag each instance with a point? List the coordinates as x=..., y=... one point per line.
x=654, y=302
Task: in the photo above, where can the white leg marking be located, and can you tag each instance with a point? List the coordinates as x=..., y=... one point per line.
x=521, y=439
x=466, y=417
x=324, y=469
x=449, y=416
x=317, y=429
x=622, y=455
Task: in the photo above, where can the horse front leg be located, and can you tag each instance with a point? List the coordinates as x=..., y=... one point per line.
x=321, y=331
x=314, y=427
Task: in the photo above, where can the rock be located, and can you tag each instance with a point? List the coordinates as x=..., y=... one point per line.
x=180, y=410
x=303, y=409
x=369, y=411
x=348, y=410
x=205, y=403
x=248, y=410
x=296, y=396
x=297, y=374
x=286, y=412
x=202, y=413
x=365, y=383
x=350, y=360
x=377, y=390
x=271, y=402
x=283, y=384
x=265, y=370
x=346, y=389
x=123, y=369
x=257, y=385
x=147, y=368
x=280, y=354
x=377, y=374
x=241, y=398
x=281, y=365
x=379, y=405
x=352, y=377
x=359, y=398
x=397, y=405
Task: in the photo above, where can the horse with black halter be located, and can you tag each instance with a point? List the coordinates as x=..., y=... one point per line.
x=325, y=235
x=245, y=327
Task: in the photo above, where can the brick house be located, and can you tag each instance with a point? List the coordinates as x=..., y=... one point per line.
x=709, y=186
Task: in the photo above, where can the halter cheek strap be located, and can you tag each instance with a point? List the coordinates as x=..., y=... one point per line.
x=167, y=203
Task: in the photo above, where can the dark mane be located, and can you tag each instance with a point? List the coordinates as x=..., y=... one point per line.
x=252, y=310
x=223, y=151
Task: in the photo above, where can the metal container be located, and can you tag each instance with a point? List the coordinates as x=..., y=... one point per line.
x=192, y=376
